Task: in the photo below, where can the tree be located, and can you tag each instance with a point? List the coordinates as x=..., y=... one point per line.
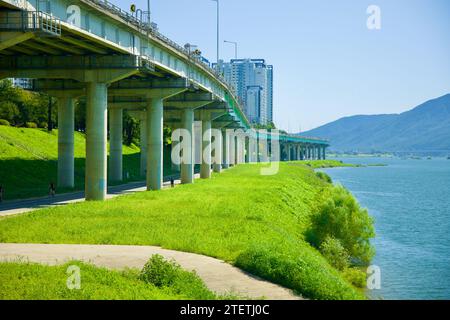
x=9, y=111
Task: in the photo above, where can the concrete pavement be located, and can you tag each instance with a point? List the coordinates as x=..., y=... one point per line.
x=219, y=276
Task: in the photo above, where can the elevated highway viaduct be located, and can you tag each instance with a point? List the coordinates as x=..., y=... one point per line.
x=93, y=50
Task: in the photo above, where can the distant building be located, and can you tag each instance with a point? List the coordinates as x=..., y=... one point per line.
x=21, y=83
x=253, y=82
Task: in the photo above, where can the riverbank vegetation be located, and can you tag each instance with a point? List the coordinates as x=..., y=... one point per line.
x=258, y=223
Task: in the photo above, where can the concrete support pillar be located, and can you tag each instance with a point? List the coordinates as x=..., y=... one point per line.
x=324, y=153
x=232, y=149
x=247, y=155
x=175, y=168
x=241, y=149
x=253, y=149
x=288, y=152
x=66, y=128
x=236, y=150
x=205, y=170
x=154, y=144
x=187, y=169
x=115, y=144
x=143, y=142
x=217, y=163
x=96, y=139
x=225, y=149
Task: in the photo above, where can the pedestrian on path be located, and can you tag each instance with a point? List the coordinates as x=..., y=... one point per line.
x=52, y=189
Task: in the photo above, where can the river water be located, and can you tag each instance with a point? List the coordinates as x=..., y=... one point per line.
x=410, y=201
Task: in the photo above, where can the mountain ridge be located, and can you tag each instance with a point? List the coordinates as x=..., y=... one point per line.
x=423, y=129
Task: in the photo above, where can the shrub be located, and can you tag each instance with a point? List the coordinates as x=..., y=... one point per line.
x=4, y=122
x=9, y=111
x=43, y=125
x=168, y=274
x=356, y=277
x=323, y=176
x=31, y=125
x=335, y=253
x=341, y=218
x=304, y=274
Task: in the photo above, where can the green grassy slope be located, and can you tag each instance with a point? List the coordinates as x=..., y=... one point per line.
x=28, y=161
x=256, y=222
x=26, y=281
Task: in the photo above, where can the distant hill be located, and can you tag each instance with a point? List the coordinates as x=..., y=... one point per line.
x=424, y=129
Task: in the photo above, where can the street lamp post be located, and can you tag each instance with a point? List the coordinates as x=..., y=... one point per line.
x=148, y=13
x=218, y=31
x=235, y=47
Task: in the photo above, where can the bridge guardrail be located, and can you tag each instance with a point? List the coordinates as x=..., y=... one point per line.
x=30, y=21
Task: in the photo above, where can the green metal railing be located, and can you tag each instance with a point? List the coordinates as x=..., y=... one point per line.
x=36, y=21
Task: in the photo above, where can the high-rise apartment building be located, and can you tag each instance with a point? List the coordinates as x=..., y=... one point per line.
x=253, y=81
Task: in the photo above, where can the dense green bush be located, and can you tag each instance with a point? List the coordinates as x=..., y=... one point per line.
x=31, y=125
x=323, y=176
x=356, y=277
x=161, y=273
x=8, y=111
x=341, y=218
x=43, y=125
x=335, y=253
x=305, y=275
x=4, y=122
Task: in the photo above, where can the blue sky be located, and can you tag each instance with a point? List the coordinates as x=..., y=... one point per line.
x=327, y=63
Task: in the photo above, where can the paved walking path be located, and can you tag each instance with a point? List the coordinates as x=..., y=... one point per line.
x=14, y=207
x=219, y=276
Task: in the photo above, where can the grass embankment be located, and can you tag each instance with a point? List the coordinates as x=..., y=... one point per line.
x=28, y=162
x=159, y=280
x=258, y=223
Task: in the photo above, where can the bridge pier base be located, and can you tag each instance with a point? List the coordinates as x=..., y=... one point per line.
x=154, y=144
x=187, y=169
x=115, y=144
x=96, y=138
x=205, y=170
x=66, y=124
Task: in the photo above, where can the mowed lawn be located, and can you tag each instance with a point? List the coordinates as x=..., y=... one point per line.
x=28, y=162
x=255, y=222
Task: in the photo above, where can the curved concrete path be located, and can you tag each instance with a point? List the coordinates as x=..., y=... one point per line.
x=219, y=276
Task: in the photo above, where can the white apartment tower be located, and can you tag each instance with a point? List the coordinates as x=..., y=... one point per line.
x=253, y=81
